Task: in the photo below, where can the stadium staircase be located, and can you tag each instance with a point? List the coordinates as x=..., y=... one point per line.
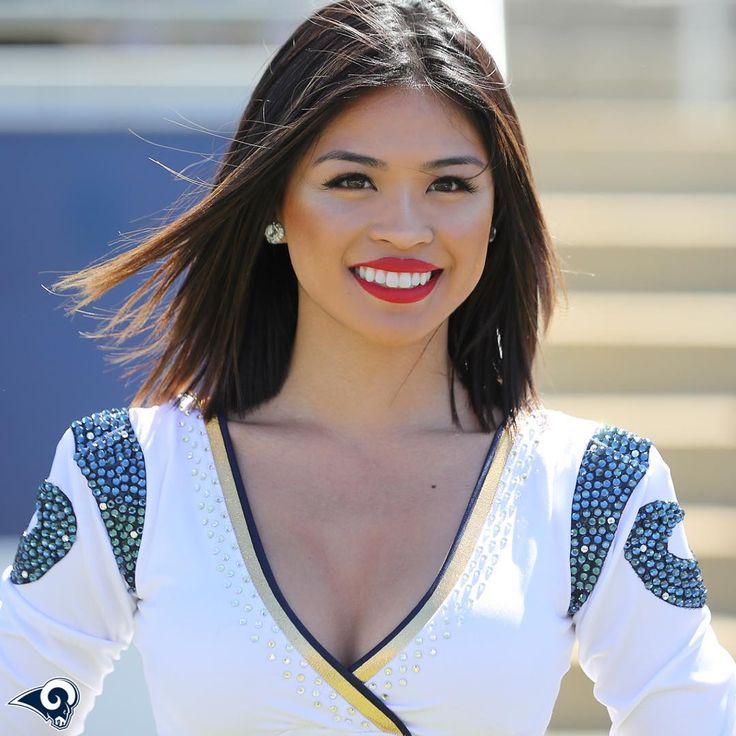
x=639, y=191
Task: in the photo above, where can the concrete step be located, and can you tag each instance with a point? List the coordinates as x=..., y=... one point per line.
x=652, y=269
x=710, y=529
x=606, y=170
x=642, y=219
x=589, y=15
x=696, y=435
x=629, y=145
x=542, y=62
x=672, y=421
x=677, y=242
x=626, y=125
x=608, y=49
x=604, y=64
x=702, y=474
x=718, y=575
x=665, y=319
x=636, y=369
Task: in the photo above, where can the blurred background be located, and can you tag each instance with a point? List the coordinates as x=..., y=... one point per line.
x=628, y=111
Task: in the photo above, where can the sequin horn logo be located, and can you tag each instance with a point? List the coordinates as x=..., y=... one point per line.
x=54, y=702
x=676, y=580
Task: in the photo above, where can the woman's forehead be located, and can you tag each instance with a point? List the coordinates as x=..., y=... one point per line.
x=400, y=122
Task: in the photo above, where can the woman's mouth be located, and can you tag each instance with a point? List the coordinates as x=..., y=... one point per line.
x=394, y=286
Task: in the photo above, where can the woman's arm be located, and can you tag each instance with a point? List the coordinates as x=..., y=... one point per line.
x=67, y=603
x=644, y=631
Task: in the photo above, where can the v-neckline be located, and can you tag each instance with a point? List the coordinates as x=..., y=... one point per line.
x=349, y=681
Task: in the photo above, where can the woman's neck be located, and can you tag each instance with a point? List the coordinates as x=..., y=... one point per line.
x=350, y=387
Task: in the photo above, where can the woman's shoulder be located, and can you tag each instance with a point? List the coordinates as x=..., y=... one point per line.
x=582, y=443
x=139, y=426
x=565, y=428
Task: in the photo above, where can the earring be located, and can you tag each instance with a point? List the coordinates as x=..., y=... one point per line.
x=275, y=233
x=493, y=234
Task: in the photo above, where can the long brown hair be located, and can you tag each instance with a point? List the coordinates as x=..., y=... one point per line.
x=217, y=315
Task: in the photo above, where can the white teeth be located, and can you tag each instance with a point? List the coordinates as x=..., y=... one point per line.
x=393, y=279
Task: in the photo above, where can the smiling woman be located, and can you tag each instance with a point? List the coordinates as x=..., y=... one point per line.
x=402, y=97
x=301, y=531
x=400, y=210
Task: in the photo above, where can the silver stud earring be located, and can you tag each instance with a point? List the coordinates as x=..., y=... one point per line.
x=275, y=233
x=493, y=234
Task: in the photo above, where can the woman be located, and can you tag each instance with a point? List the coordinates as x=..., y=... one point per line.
x=303, y=532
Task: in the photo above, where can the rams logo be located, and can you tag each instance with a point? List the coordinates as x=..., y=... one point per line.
x=55, y=701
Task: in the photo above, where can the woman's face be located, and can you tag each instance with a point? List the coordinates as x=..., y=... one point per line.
x=339, y=213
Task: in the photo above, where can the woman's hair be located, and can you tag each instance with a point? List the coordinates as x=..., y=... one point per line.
x=217, y=315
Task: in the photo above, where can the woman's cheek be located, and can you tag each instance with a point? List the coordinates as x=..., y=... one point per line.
x=329, y=211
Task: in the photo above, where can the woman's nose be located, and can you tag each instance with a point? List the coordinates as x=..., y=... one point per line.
x=403, y=222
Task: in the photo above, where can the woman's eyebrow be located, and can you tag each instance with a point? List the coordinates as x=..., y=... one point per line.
x=377, y=164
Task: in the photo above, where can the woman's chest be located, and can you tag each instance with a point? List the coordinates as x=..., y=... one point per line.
x=222, y=647
x=355, y=538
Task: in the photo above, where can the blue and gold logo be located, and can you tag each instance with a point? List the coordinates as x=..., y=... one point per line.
x=54, y=702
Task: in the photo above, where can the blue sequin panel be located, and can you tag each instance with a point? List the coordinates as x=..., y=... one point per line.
x=51, y=537
x=676, y=580
x=111, y=459
x=613, y=464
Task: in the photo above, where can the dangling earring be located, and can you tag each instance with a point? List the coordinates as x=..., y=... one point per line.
x=275, y=233
x=493, y=234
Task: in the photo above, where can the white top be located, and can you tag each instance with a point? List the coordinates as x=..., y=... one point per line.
x=573, y=533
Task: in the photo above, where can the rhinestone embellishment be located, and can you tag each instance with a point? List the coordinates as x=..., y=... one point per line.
x=52, y=536
x=111, y=459
x=425, y=650
x=242, y=597
x=676, y=580
x=613, y=464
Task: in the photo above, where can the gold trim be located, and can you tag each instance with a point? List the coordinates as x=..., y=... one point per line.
x=460, y=559
x=331, y=676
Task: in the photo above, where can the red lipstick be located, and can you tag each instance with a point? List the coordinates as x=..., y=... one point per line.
x=400, y=265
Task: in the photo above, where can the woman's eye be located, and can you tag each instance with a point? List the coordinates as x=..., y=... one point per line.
x=347, y=178
x=462, y=184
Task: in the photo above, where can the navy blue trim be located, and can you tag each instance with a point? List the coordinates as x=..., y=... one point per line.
x=448, y=559
x=270, y=578
x=347, y=673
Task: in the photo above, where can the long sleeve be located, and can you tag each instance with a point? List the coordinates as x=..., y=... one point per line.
x=66, y=607
x=642, y=623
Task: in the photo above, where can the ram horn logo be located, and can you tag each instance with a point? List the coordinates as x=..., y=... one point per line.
x=55, y=701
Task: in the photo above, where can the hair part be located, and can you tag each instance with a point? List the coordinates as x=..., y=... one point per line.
x=217, y=315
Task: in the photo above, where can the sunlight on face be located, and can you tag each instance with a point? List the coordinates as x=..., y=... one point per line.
x=408, y=202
